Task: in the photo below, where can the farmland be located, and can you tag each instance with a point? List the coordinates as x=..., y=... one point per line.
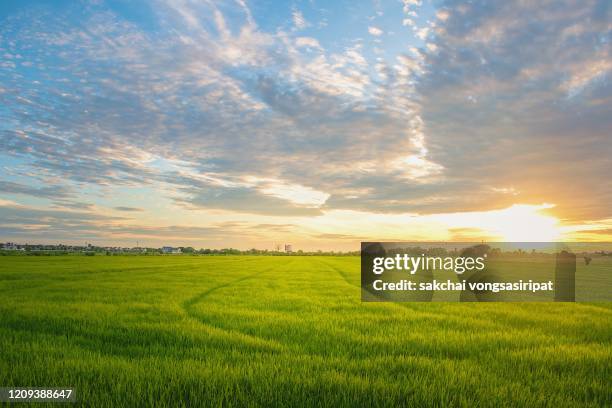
x=277, y=331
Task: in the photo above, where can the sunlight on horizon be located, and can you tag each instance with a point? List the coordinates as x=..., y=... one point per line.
x=517, y=223
x=525, y=223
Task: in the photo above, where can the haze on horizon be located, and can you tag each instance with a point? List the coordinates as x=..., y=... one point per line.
x=245, y=124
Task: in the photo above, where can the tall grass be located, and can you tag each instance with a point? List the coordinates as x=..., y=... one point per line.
x=279, y=331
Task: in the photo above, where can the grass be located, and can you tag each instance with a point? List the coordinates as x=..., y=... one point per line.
x=278, y=331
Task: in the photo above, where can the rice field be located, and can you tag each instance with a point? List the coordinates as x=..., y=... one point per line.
x=283, y=331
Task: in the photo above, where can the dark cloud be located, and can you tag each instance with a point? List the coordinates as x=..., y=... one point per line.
x=35, y=225
x=50, y=192
x=74, y=205
x=61, y=195
x=18, y=222
x=128, y=209
x=245, y=200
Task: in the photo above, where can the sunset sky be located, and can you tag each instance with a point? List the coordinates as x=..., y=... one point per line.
x=318, y=123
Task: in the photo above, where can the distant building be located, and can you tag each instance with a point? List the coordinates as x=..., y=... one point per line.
x=288, y=248
x=171, y=250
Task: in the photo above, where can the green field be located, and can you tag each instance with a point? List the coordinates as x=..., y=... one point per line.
x=278, y=331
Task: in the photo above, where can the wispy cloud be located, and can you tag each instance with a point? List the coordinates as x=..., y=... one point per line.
x=298, y=20
x=128, y=209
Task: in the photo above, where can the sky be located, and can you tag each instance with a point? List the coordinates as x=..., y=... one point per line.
x=254, y=123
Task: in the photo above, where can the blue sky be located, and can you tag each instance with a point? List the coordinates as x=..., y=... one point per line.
x=239, y=123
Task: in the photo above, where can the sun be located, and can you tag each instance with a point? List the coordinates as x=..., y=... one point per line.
x=517, y=223
x=524, y=223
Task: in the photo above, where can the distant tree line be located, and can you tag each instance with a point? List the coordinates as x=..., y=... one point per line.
x=91, y=250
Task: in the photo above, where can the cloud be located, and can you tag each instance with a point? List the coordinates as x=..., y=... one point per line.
x=294, y=193
x=8, y=203
x=411, y=3
x=422, y=33
x=375, y=31
x=598, y=69
x=272, y=199
x=307, y=42
x=128, y=209
x=51, y=192
x=51, y=226
x=48, y=225
x=340, y=237
x=303, y=112
x=75, y=205
x=36, y=225
x=298, y=20
x=410, y=6
x=514, y=93
x=442, y=15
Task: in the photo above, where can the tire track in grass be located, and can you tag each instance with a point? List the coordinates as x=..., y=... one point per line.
x=188, y=304
x=344, y=276
x=189, y=308
x=341, y=273
x=401, y=305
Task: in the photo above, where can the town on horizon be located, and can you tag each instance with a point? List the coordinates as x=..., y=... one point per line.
x=286, y=249
x=166, y=249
